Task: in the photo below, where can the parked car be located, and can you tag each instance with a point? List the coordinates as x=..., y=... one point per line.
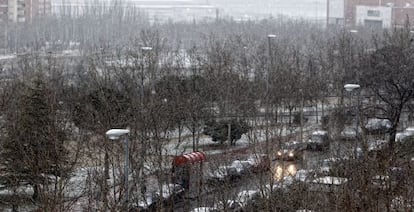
x=377, y=126
x=400, y=203
x=328, y=184
x=332, y=167
x=260, y=162
x=376, y=145
x=281, y=185
x=319, y=140
x=292, y=150
x=205, y=209
x=242, y=167
x=350, y=133
x=241, y=201
x=171, y=193
x=222, y=174
x=235, y=170
x=393, y=178
x=405, y=135
x=304, y=175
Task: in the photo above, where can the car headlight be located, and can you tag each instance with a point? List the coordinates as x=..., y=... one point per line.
x=291, y=154
x=279, y=153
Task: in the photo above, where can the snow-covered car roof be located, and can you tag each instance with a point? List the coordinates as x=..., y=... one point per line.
x=169, y=189
x=320, y=132
x=329, y=180
x=375, y=123
x=204, y=209
x=303, y=175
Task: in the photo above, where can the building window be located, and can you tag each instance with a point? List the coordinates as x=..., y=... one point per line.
x=374, y=13
x=373, y=24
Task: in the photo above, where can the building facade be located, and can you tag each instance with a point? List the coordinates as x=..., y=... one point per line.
x=12, y=11
x=23, y=10
x=378, y=13
x=157, y=10
x=37, y=8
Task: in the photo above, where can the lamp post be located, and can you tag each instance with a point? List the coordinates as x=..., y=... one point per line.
x=301, y=114
x=270, y=65
x=143, y=50
x=115, y=134
x=350, y=88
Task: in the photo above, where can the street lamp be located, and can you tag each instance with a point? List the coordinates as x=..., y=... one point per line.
x=350, y=88
x=115, y=134
x=270, y=65
x=144, y=49
x=269, y=42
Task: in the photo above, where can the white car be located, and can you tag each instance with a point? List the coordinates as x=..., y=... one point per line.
x=170, y=193
x=328, y=184
x=350, y=132
x=401, y=136
x=375, y=145
x=303, y=175
x=260, y=162
x=244, y=197
x=236, y=169
x=378, y=125
x=242, y=166
x=326, y=165
x=205, y=209
x=222, y=173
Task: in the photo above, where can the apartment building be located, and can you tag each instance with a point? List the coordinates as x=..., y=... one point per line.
x=12, y=10
x=4, y=6
x=23, y=10
x=37, y=8
x=378, y=13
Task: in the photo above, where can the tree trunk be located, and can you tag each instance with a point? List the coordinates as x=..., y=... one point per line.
x=36, y=192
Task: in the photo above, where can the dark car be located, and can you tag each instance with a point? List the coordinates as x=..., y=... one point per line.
x=171, y=194
x=319, y=141
x=292, y=150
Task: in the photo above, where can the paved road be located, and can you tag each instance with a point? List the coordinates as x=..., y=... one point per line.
x=279, y=169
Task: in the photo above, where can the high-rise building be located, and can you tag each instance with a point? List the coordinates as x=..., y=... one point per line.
x=12, y=11
x=4, y=7
x=37, y=8
x=23, y=10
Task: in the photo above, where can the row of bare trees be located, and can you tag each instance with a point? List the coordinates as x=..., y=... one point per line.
x=159, y=78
